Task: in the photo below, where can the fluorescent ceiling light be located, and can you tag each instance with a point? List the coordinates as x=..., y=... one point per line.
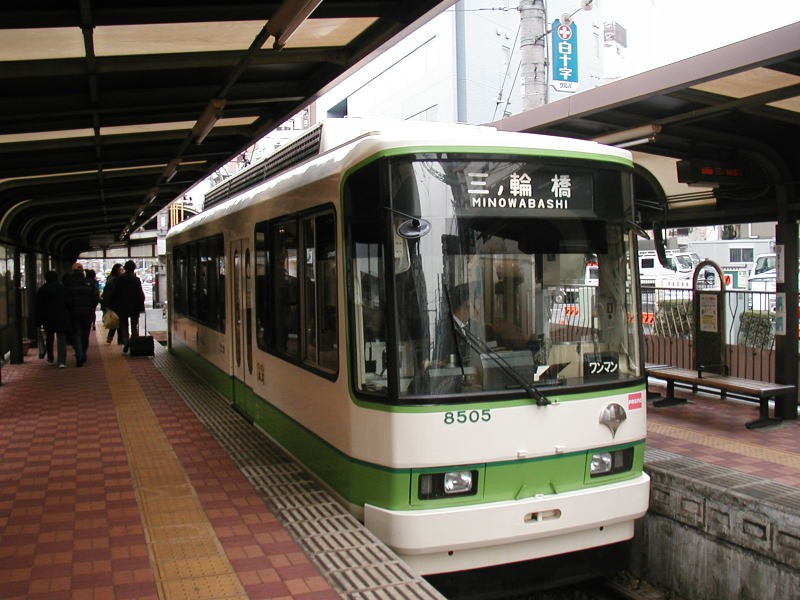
x=636, y=134
x=636, y=142
x=208, y=119
x=170, y=170
x=288, y=18
x=334, y=32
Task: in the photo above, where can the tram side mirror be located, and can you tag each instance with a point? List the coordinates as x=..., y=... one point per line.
x=660, y=246
x=410, y=228
x=413, y=228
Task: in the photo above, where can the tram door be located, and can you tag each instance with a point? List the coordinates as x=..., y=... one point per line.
x=242, y=330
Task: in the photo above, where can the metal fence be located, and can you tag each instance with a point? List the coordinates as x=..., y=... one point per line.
x=668, y=321
x=667, y=316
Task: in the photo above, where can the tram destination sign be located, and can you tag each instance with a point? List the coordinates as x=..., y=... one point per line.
x=535, y=193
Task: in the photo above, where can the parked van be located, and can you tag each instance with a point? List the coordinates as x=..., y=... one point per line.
x=764, y=264
x=676, y=274
x=762, y=280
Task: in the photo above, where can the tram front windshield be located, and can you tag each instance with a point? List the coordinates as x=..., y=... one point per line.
x=507, y=276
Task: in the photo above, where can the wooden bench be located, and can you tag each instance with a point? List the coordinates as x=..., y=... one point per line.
x=762, y=390
x=647, y=368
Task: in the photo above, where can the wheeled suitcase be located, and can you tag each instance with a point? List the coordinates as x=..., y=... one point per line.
x=141, y=345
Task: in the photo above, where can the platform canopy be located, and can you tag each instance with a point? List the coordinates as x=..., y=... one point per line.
x=715, y=136
x=110, y=110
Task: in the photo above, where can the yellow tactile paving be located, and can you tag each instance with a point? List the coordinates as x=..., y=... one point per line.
x=721, y=443
x=213, y=587
x=183, y=549
x=186, y=555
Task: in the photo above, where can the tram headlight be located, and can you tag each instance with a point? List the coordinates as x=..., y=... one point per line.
x=601, y=463
x=448, y=484
x=457, y=482
x=610, y=462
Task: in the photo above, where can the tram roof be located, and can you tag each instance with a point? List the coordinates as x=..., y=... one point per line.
x=113, y=109
x=732, y=114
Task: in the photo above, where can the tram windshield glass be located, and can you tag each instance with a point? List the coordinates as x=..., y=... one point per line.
x=508, y=277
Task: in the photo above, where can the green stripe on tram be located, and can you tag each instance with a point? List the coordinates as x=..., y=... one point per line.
x=360, y=482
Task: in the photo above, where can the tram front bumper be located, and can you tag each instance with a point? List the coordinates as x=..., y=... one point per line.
x=508, y=524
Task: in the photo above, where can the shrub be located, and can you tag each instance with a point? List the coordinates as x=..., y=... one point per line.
x=755, y=329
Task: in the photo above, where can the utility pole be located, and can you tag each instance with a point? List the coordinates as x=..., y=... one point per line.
x=533, y=66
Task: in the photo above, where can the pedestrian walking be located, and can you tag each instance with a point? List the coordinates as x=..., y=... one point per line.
x=84, y=304
x=127, y=300
x=91, y=277
x=116, y=271
x=54, y=313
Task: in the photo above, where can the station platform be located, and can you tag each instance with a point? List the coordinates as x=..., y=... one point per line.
x=724, y=514
x=713, y=431
x=125, y=478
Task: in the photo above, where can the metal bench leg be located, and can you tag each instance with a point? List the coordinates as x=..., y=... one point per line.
x=651, y=395
x=669, y=399
x=764, y=420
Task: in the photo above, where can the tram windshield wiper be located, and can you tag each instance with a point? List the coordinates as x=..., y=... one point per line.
x=482, y=347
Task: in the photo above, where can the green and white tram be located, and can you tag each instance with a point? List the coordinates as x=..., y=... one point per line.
x=387, y=310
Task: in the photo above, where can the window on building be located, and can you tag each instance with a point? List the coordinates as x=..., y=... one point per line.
x=740, y=255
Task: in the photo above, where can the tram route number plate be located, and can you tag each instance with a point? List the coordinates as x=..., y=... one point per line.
x=601, y=365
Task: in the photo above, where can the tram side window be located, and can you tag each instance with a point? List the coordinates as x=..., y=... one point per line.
x=285, y=289
x=264, y=315
x=212, y=263
x=296, y=289
x=320, y=301
x=203, y=291
x=179, y=280
x=199, y=281
x=369, y=302
x=365, y=220
x=194, y=311
x=219, y=291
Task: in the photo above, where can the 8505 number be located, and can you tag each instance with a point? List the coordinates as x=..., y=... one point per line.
x=467, y=416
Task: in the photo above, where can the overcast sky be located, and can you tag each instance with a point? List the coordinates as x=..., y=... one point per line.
x=664, y=31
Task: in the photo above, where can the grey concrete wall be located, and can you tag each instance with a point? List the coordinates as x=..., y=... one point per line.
x=716, y=534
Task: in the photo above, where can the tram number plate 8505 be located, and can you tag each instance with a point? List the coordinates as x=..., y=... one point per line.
x=456, y=417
